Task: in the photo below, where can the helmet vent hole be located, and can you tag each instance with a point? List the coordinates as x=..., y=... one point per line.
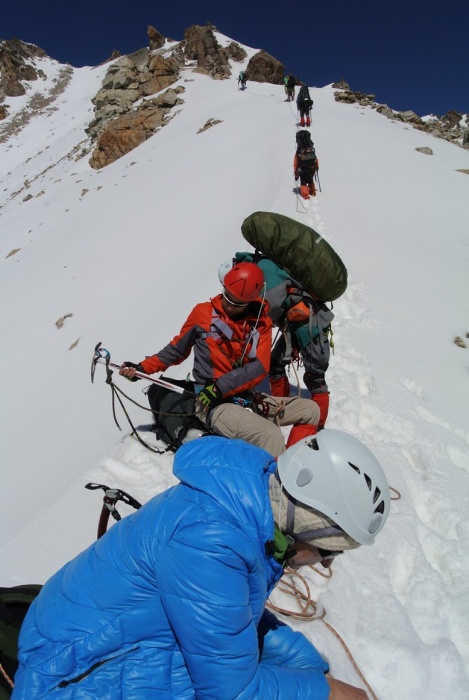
x=380, y=508
x=313, y=444
x=368, y=482
x=377, y=494
x=354, y=467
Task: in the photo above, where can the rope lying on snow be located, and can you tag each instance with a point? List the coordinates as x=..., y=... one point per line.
x=309, y=610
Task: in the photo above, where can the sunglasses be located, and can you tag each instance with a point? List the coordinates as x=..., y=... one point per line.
x=233, y=303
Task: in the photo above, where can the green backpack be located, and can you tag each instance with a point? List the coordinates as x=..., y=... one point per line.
x=300, y=250
x=14, y=604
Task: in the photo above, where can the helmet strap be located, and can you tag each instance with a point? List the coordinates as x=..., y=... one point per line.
x=309, y=534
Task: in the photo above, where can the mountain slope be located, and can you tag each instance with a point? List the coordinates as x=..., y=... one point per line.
x=128, y=250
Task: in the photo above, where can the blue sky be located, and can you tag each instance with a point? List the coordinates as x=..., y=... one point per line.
x=411, y=54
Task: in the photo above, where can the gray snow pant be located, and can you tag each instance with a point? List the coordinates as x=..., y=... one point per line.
x=234, y=421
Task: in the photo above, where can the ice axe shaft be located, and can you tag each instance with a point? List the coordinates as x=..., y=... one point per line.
x=141, y=375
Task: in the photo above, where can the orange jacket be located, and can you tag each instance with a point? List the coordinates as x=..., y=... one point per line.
x=233, y=352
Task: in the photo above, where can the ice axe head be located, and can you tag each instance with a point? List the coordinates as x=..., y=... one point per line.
x=99, y=354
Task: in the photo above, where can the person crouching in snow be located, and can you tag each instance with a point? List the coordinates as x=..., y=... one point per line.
x=170, y=602
x=231, y=336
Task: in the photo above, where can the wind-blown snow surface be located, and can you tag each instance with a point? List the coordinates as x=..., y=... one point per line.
x=129, y=250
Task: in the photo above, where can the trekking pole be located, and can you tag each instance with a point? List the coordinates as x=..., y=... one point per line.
x=317, y=178
x=103, y=357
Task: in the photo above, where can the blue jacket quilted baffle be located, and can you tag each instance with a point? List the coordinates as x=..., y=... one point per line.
x=169, y=604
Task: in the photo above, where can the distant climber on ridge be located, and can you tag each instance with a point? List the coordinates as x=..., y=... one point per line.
x=304, y=104
x=305, y=164
x=242, y=80
x=290, y=82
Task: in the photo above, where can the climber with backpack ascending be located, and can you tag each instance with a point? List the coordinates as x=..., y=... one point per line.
x=242, y=80
x=231, y=337
x=305, y=164
x=302, y=272
x=289, y=82
x=170, y=603
x=304, y=104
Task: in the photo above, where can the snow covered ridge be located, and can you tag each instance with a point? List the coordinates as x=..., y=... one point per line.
x=453, y=126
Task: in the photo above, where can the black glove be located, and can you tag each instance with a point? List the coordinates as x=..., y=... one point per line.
x=210, y=396
x=138, y=367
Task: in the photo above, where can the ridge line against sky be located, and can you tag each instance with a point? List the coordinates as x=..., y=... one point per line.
x=411, y=55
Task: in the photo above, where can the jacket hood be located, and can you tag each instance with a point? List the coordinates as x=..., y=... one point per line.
x=235, y=474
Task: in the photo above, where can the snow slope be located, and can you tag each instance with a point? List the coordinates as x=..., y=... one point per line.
x=128, y=250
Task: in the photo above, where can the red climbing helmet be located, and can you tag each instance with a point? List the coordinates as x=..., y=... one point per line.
x=244, y=282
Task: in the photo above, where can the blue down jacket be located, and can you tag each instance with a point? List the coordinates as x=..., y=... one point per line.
x=169, y=604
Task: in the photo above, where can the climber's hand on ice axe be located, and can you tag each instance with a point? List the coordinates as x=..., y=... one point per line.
x=129, y=371
x=103, y=356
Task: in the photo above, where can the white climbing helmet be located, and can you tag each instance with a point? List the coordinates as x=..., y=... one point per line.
x=224, y=268
x=337, y=475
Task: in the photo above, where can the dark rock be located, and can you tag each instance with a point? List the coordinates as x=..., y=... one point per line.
x=201, y=46
x=264, y=68
x=155, y=39
x=236, y=52
x=341, y=85
x=17, y=64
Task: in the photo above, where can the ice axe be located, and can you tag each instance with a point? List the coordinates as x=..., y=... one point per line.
x=103, y=357
x=110, y=498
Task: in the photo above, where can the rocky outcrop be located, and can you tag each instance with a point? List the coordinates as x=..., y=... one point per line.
x=341, y=85
x=162, y=72
x=118, y=125
x=17, y=65
x=351, y=96
x=128, y=131
x=264, y=68
x=235, y=52
x=155, y=39
x=115, y=53
x=451, y=127
x=201, y=46
x=3, y=112
x=127, y=80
